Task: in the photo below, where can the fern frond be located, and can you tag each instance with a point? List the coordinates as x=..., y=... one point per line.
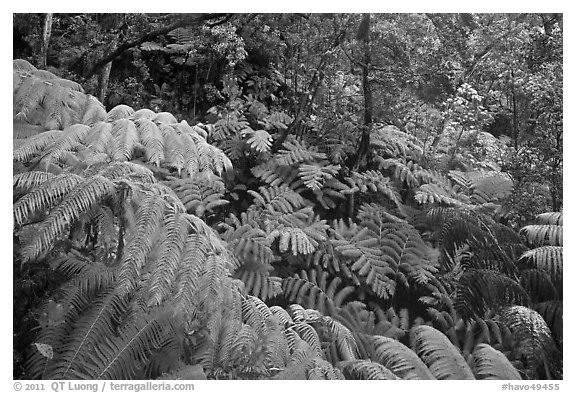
x=538, y=285
x=261, y=284
x=30, y=180
x=546, y=258
x=399, y=359
x=442, y=358
x=309, y=335
x=552, y=312
x=314, y=175
x=255, y=313
x=119, y=112
x=169, y=252
x=152, y=140
x=365, y=370
x=119, y=357
x=126, y=139
x=404, y=171
x=69, y=140
x=90, y=330
x=35, y=144
x=84, y=196
x=543, y=234
x=479, y=291
x=373, y=181
x=364, y=250
x=297, y=152
x=534, y=340
x=92, y=111
x=277, y=199
x=492, y=364
x=141, y=240
x=308, y=294
x=551, y=218
x=259, y=140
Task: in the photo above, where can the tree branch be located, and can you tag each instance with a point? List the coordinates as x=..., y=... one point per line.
x=187, y=20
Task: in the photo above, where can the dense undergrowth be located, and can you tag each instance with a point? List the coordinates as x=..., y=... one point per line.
x=148, y=247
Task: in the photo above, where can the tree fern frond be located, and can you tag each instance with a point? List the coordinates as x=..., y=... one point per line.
x=100, y=137
x=125, y=137
x=30, y=180
x=342, y=338
x=373, y=181
x=35, y=144
x=314, y=175
x=199, y=194
x=442, y=358
x=479, y=291
x=552, y=312
x=365, y=370
x=140, y=242
x=119, y=357
x=296, y=152
x=170, y=249
x=543, y=234
x=277, y=199
x=308, y=294
x=550, y=218
x=165, y=117
x=93, y=327
x=538, y=285
x=152, y=140
x=84, y=196
x=309, y=335
x=261, y=284
x=69, y=140
x=546, y=258
x=119, y=112
x=369, y=261
x=404, y=171
x=24, y=130
x=255, y=313
x=259, y=140
x=492, y=364
x=535, y=345
x=399, y=359
x=22, y=65
x=92, y=111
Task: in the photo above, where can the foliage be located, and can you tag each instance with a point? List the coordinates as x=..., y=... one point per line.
x=297, y=203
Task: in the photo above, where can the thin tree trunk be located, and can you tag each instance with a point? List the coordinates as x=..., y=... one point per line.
x=367, y=92
x=103, y=79
x=46, y=33
x=362, y=152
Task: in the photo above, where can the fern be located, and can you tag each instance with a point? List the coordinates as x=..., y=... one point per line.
x=546, y=258
x=260, y=140
x=492, y=364
x=541, y=235
x=200, y=194
x=399, y=359
x=535, y=345
x=365, y=370
x=394, y=253
x=552, y=313
x=297, y=152
x=372, y=181
x=277, y=199
x=441, y=357
x=480, y=291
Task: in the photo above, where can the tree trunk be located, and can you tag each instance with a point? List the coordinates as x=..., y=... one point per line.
x=103, y=78
x=362, y=152
x=46, y=33
x=364, y=35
